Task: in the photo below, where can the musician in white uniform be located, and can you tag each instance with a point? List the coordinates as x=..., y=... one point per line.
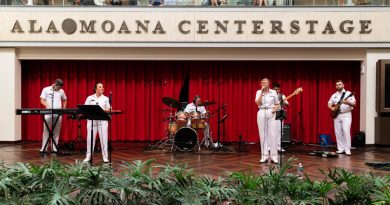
x=194, y=107
x=59, y=101
x=343, y=121
x=283, y=103
x=268, y=102
x=100, y=126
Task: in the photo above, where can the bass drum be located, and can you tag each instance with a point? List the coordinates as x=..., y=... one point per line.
x=186, y=139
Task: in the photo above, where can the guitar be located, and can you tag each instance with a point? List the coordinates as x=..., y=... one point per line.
x=336, y=108
x=296, y=92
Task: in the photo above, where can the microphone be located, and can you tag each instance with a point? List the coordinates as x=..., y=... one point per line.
x=110, y=98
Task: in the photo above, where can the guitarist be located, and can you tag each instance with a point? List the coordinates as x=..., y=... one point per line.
x=343, y=121
x=283, y=103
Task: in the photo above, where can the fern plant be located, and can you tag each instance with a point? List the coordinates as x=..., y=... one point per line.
x=142, y=182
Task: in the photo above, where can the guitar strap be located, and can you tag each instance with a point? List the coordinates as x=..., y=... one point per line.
x=341, y=98
x=280, y=96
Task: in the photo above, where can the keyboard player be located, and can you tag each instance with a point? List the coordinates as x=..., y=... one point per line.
x=52, y=97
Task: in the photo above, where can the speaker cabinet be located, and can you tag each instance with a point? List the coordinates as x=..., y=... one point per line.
x=382, y=131
x=286, y=137
x=383, y=88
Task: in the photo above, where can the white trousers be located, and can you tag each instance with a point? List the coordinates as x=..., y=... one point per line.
x=102, y=128
x=268, y=132
x=56, y=131
x=206, y=131
x=342, y=128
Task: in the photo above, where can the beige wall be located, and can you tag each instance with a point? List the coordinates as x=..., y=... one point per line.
x=170, y=19
x=368, y=92
x=10, y=89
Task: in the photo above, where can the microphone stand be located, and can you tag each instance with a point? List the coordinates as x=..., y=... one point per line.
x=52, y=120
x=109, y=141
x=281, y=115
x=219, y=145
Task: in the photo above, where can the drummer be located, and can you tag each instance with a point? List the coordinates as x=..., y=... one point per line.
x=193, y=108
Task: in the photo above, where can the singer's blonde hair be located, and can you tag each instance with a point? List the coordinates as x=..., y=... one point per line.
x=266, y=79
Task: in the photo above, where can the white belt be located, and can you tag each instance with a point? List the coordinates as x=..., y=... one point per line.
x=265, y=108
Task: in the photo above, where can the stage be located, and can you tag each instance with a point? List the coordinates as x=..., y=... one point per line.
x=210, y=163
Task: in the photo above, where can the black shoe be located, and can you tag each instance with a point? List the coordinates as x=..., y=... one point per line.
x=275, y=161
x=42, y=152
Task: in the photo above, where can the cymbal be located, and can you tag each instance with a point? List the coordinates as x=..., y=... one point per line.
x=207, y=103
x=171, y=102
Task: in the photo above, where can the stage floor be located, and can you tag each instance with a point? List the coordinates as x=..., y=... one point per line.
x=208, y=162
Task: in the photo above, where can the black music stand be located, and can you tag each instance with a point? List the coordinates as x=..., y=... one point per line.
x=93, y=112
x=281, y=115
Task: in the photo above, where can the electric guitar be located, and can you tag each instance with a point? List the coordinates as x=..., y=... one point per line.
x=336, y=108
x=296, y=92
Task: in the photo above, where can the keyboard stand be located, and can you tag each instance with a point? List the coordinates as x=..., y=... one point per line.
x=51, y=134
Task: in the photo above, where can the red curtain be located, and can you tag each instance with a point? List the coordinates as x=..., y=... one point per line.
x=138, y=87
x=236, y=83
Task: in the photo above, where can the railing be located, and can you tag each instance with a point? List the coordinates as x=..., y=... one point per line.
x=196, y=3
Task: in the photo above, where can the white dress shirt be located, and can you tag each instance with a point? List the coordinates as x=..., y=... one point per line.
x=191, y=108
x=102, y=101
x=335, y=98
x=270, y=99
x=59, y=96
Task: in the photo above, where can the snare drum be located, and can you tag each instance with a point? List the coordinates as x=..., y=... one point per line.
x=199, y=125
x=197, y=120
x=181, y=118
x=186, y=139
x=195, y=117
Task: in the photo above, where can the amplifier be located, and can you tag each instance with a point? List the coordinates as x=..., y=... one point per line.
x=286, y=134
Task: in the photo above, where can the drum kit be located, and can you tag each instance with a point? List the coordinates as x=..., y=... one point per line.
x=183, y=128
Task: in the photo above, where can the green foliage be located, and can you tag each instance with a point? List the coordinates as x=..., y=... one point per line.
x=351, y=188
x=142, y=182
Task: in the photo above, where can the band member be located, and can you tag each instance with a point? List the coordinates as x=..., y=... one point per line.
x=52, y=97
x=195, y=108
x=268, y=102
x=283, y=103
x=343, y=121
x=100, y=126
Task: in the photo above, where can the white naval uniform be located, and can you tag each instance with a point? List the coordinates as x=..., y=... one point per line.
x=59, y=96
x=342, y=123
x=100, y=126
x=202, y=110
x=267, y=124
x=285, y=102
